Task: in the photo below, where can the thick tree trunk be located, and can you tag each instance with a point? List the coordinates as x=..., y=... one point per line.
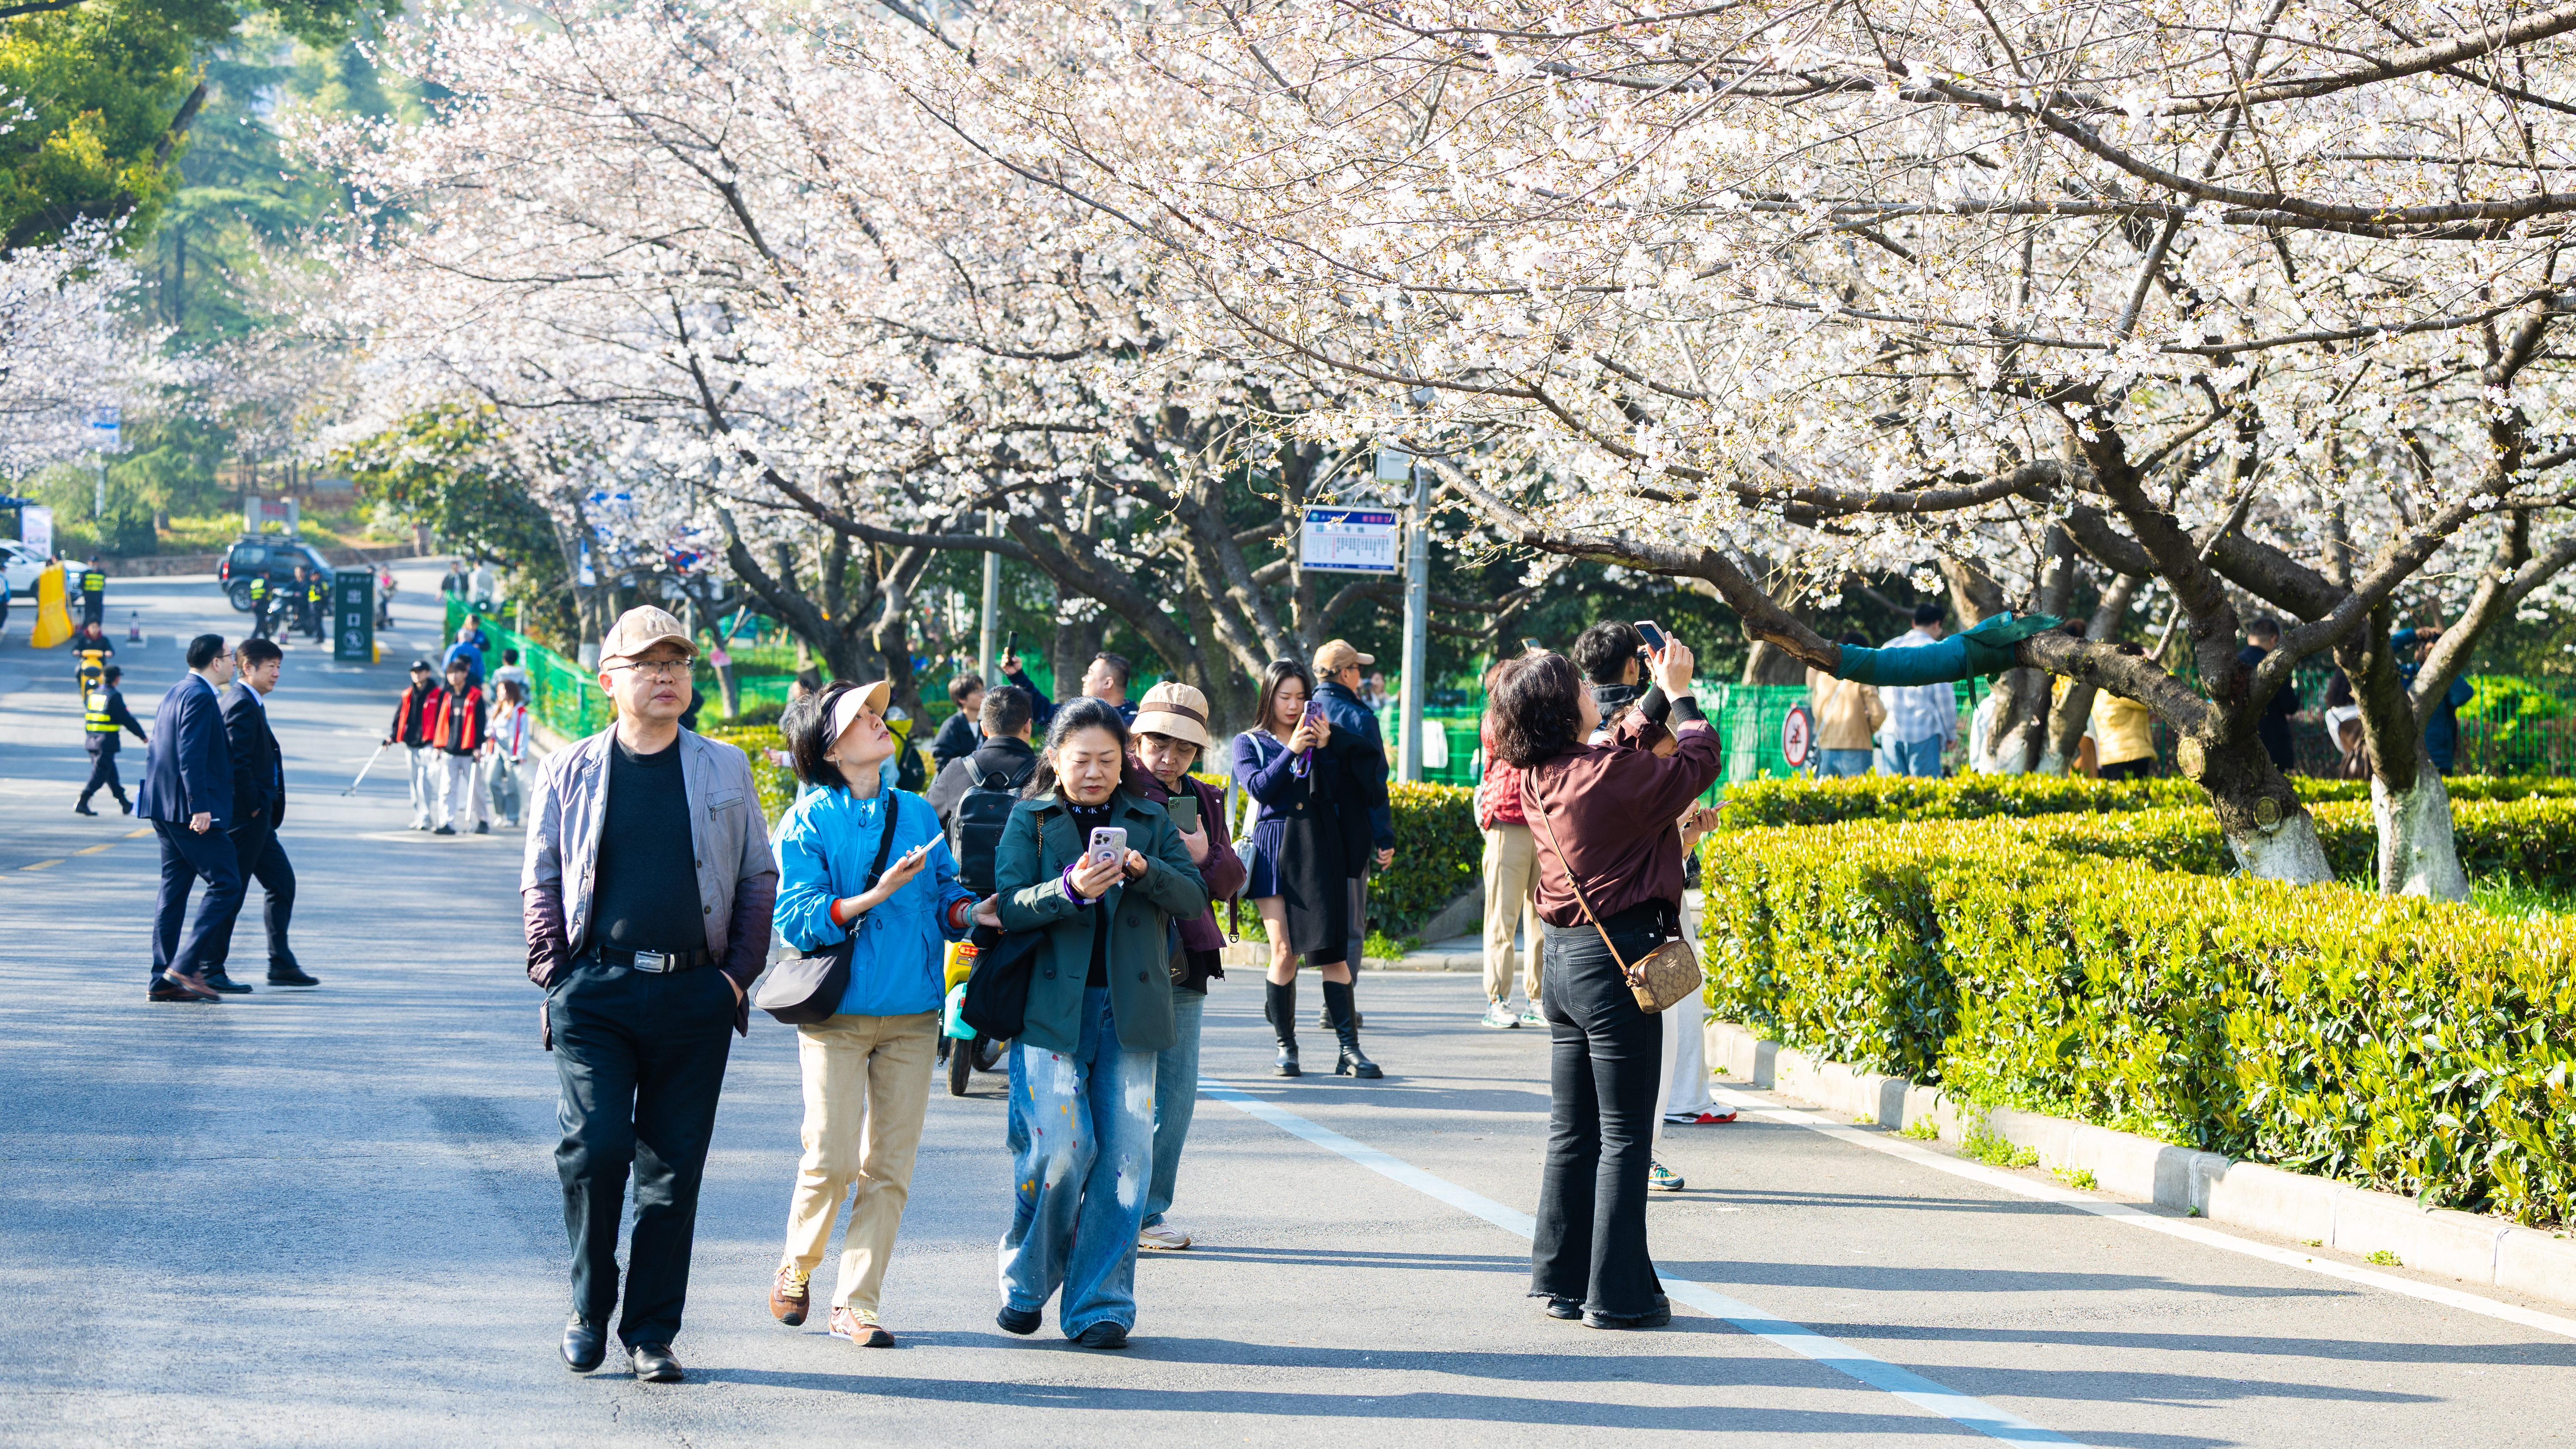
x=2417, y=855
x=2066, y=723
x=2269, y=832
x=2021, y=733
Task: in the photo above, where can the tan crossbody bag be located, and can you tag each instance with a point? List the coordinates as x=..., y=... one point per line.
x=1662, y=977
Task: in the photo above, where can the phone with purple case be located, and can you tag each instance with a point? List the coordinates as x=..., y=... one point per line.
x=1108, y=844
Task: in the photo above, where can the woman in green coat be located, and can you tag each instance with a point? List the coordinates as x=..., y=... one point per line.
x=1099, y=1014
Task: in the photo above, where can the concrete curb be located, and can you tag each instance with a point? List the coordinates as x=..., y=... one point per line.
x=2313, y=1210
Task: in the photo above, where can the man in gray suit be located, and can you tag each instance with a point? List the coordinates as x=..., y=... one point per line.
x=626, y=830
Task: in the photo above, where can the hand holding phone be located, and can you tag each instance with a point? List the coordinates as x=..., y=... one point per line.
x=1108, y=843
x=1184, y=810
x=1653, y=634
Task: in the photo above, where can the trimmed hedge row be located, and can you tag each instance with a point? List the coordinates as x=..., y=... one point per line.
x=2418, y=1048
x=1759, y=803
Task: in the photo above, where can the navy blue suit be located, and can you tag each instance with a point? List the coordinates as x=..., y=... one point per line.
x=188, y=771
x=259, y=800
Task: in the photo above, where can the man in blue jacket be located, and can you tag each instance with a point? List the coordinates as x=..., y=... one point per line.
x=187, y=794
x=1360, y=751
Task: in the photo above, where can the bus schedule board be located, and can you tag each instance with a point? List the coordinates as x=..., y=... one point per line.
x=1349, y=540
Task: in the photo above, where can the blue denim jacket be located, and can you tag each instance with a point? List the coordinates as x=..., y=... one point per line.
x=826, y=842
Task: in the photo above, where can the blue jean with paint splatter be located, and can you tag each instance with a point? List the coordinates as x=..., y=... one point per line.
x=1082, y=1158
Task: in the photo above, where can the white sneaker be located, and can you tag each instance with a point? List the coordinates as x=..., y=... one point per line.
x=1530, y=1015
x=1499, y=1017
x=1163, y=1236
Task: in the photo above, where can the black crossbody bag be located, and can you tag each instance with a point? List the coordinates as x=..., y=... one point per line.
x=808, y=989
x=997, y=990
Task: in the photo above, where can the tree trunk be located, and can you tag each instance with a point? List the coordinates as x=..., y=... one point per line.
x=2066, y=723
x=2272, y=835
x=2021, y=732
x=2417, y=855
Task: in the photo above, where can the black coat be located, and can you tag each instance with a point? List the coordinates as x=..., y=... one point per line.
x=259, y=767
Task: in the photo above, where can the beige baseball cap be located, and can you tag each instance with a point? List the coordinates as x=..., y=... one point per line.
x=1173, y=709
x=1338, y=656
x=639, y=629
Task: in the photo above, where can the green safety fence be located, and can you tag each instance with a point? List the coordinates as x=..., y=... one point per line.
x=565, y=698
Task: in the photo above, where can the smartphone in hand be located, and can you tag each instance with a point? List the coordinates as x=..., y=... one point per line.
x=1184, y=809
x=1652, y=634
x=1108, y=845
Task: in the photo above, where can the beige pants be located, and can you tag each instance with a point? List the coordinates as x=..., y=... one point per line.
x=1511, y=883
x=867, y=1085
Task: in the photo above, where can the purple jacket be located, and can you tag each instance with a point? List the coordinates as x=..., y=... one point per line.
x=1223, y=869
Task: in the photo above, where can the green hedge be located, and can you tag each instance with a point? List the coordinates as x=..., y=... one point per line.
x=1754, y=804
x=2418, y=1048
x=776, y=783
x=1438, y=851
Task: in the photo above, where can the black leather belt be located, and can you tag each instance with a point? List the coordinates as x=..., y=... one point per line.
x=656, y=961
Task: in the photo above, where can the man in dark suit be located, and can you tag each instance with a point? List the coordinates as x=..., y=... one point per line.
x=259, y=806
x=187, y=794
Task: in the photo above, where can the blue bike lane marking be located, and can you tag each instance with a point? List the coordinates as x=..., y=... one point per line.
x=1870, y=1369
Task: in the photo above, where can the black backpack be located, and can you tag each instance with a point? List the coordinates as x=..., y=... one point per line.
x=975, y=825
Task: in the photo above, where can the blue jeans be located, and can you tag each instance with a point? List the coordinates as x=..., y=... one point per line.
x=1082, y=1144
x=1840, y=764
x=1917, y=757
x=1176, y=1098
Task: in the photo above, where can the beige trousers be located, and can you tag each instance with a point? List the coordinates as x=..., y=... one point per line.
x=1511, y=883
x=867, y=1086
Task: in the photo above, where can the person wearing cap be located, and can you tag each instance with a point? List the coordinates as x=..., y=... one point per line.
x=457, y=731
x=414, y=716
x=627, y=829
x=1358, y=752
x=1170, y=735
x=861, y=861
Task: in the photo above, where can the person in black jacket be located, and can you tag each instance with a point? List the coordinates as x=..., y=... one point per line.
x=958, y=736
x=259, y=805
x=1006, y=756
x=104, y=719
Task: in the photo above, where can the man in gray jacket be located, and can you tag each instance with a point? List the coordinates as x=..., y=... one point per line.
x=625, y=829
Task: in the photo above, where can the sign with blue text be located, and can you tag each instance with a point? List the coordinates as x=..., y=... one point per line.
x=1348, y=540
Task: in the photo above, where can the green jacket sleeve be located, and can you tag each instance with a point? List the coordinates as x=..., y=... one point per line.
x=1032, y=897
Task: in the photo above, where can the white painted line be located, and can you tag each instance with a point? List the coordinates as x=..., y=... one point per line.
x=1876, y=1372
x=2139, y=1217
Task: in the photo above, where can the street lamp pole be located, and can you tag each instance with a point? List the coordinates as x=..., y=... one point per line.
x=1417, y=626
x=992, y=602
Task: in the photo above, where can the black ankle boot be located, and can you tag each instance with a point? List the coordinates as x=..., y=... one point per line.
x=1279, y=1006
x=1337, y=1005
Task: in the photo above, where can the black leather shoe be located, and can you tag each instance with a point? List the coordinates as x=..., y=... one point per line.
x=655, y=1365
x=1022, y=1321
x=1287, y=1066
x=124, y=806
x=1103, y=1335
x=584, y=1347
x=81, y=807
x=444, y=830
x=225, y=984
x=1564, y=1308
x=166, y=990
x=292, y=976
x=1660, y=1315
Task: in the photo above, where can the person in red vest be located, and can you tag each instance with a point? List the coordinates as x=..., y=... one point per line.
x=456, y=732
x=413, y=714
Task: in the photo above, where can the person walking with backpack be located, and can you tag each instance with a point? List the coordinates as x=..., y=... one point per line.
x=1170, y=731
x=862, y=862
x=976, y=792
x=1099, y=874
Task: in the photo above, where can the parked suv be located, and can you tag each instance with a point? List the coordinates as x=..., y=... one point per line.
x=273, y=554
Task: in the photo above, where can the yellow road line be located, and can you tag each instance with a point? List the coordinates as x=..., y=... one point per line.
x=40, y=865
x=138, y=834
x=93, y=849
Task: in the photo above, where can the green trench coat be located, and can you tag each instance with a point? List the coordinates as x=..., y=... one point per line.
x=1028, y=869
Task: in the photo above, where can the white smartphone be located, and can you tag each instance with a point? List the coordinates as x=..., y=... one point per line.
x=1108, y=845
x=1653, y=636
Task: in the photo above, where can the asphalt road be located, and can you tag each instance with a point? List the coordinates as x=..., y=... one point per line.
x=330, y=1216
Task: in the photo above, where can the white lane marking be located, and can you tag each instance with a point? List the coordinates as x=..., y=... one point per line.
x=1878, y=1373
x=2137, y=1216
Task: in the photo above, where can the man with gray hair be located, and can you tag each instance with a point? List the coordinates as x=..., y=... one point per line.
x=626, y=830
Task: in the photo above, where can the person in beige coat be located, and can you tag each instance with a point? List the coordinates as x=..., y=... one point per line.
x=1847, y=718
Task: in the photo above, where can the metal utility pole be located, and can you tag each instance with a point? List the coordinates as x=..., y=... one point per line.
x=1417, y=627
x=992, y=601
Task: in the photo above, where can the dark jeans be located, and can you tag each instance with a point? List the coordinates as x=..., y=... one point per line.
x=264, y=860
x=187, y=857
x=642, y=1058
x=2137, y=769
x=102, y=776
x=1605, y=1077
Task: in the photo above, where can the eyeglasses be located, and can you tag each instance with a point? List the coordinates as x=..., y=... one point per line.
x=656, y=668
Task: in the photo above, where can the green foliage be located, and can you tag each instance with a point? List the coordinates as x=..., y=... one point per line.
x=1437, y=851
x=1983, y=1143
x=2079, y=1178
x=2384, y=1258
x=2075, y=965
x=1921, y=1129
x=1756, y=803
x=437, y=468
x=775, y=782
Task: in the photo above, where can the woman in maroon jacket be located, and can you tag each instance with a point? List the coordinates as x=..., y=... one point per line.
x=1170, y=732
x=1603, y=817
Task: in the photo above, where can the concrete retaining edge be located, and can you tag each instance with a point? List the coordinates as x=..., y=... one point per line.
x=2312, y=1210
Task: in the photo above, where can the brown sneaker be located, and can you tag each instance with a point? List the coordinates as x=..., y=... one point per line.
x=866, y=1333
x=788, y=1295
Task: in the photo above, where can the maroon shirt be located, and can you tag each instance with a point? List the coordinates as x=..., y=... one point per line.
x=1223, y=871
x=1614, y=810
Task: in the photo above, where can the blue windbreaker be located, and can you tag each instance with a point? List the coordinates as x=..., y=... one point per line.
x=825, y=844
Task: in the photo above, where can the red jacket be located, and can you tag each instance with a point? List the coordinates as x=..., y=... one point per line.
x=456, y=724
x=414, y=712
x=1498, y=795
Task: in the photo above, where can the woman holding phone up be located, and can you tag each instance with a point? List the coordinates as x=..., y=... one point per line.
x=862, y=860
x=1302, y=861
x=1609, y=892
x=1101, y=873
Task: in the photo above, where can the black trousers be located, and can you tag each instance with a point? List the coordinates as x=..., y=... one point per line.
x=187, y=857
x=263, y=859
x=102, y=776
x=1605, y=1076
x=642, y=1058
x=93, y=608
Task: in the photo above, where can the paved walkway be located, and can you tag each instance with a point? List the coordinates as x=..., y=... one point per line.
x=329, y=1217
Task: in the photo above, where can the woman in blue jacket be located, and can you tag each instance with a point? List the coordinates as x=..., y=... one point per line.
x=867, y=1066
x=1099, y=1017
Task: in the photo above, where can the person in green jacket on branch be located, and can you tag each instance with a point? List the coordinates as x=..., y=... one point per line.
x=1099, y=1015
x=1987, y=649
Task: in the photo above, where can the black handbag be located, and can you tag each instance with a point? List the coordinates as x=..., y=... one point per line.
x=997, y=990
x=808, y=989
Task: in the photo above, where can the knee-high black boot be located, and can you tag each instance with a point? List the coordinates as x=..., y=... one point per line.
x=1346, y=1025
x=1279, y=1004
